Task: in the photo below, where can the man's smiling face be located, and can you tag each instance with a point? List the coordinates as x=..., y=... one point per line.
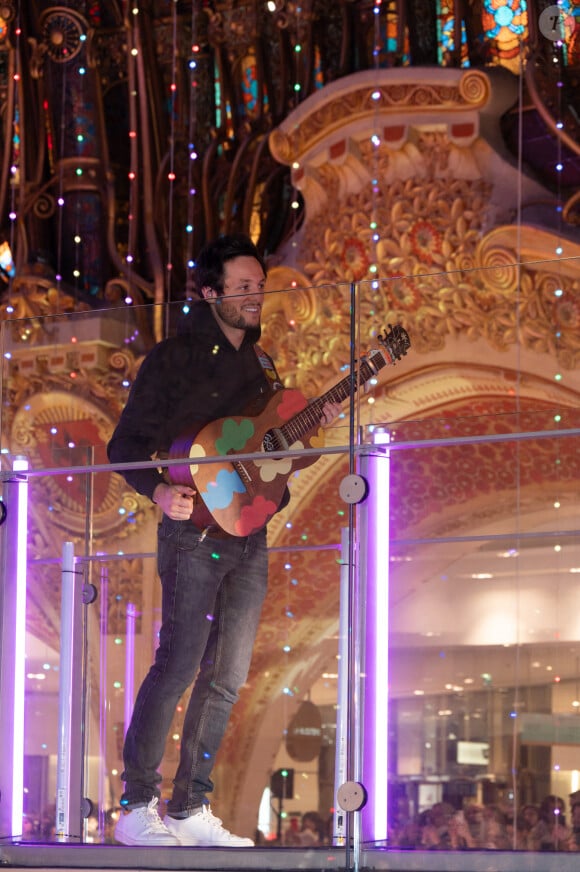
x=239, y=308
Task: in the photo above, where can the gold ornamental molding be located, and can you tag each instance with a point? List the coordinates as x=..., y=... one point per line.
x=65, y=376
x=533, y=247
x=391, y=97
x=406, y=401
x=58, y=429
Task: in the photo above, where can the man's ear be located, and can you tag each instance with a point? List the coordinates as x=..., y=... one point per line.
x=207, y=293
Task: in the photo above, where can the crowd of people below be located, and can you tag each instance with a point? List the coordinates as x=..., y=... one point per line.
x=536, y=827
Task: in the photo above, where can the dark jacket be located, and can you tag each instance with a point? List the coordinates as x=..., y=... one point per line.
x=192, y=378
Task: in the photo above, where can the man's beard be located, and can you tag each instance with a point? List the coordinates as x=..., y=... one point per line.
x=233, y=317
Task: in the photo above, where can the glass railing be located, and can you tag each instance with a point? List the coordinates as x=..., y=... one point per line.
x=414, y=681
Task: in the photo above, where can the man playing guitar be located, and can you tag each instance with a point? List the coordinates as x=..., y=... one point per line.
x=210, y=607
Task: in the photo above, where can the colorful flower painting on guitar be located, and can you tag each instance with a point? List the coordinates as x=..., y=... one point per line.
x=235, y=435
x=270, y=468
x=254, y=516
x=220, y=492
x=318, y=440
x=291, y=403
x=184, y=473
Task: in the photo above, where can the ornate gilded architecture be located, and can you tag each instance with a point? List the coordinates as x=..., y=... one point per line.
x=396, y=163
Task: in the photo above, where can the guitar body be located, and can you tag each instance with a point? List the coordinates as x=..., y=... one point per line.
x=242, y=496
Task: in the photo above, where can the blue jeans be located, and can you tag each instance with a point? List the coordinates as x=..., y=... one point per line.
x=213, y=590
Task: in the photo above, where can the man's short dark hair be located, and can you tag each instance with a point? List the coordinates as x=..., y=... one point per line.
x=210, y=263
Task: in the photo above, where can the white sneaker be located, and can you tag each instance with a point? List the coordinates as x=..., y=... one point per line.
x=204, y=829
x=143, y=826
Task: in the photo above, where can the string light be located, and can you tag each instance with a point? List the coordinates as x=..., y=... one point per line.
x=133, y=55
x=79, y=144
x=295, y=202
x=559, y=166
x=376, y=142
x=15, y=188
x=171, y=173
x=193, y=155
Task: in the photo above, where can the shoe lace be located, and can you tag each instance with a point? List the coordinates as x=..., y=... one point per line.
x=151, y=818
x=212, y=819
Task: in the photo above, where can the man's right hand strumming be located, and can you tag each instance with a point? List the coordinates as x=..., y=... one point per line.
x=176, y=500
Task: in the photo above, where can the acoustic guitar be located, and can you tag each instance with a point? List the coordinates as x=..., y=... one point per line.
x=242, y=495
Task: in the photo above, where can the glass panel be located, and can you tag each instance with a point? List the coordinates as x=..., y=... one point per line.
x=484, y=654
x=63, y=400
x=482, y=555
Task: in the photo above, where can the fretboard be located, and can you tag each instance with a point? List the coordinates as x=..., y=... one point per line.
x=308, y=418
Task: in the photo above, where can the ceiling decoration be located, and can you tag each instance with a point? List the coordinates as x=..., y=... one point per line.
x=62, y=30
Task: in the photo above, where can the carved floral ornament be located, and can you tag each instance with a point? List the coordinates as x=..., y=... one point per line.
x=57, y=430
x=33, y=297
x=62, y=394
x=416, y=223
x=59, y=425
x=439, y=274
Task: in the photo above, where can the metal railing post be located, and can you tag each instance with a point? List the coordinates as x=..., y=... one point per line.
x=70, y=703
x=13, y=559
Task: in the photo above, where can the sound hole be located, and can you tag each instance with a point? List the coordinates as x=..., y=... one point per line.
x=274, y=441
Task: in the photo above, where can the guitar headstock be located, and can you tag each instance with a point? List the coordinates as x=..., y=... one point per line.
x=396, y=342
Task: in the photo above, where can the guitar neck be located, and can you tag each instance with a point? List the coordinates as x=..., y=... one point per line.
x=308, y=418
